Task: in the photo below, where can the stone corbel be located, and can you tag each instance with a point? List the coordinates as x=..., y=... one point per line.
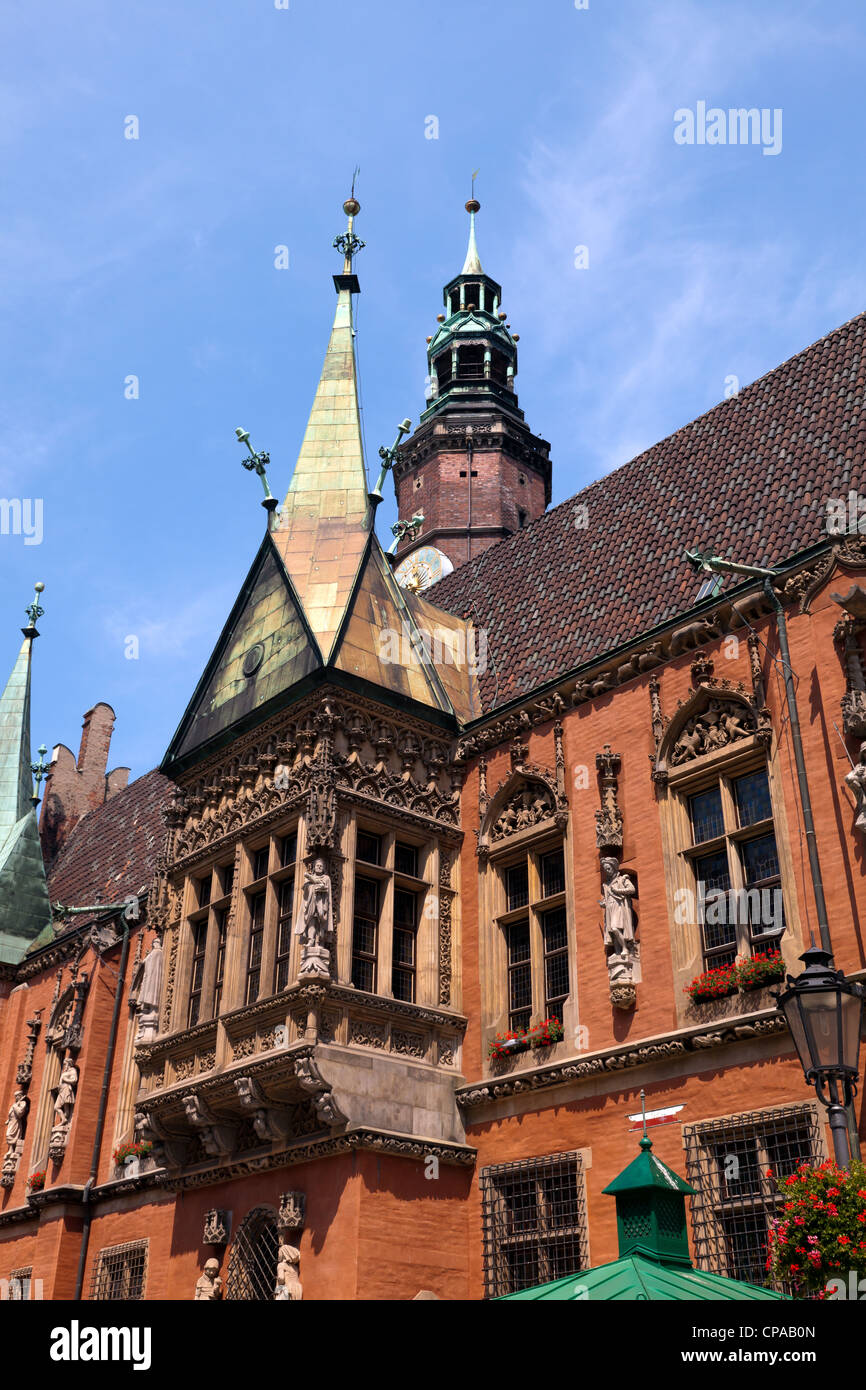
x=269, y=1123
x=310, y=1079
x=169, y=1150
x=218, y=1136
x=24, y=1070
x=293, y=1206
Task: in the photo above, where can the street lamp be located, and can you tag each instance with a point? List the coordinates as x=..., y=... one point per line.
x=823, y=1012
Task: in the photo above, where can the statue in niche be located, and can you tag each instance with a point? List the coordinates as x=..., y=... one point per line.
x=209, y=1286
x=317, y=921
x=288, y=1287
x=147, y=992
x=16, y=1121
x=65, y=1100
x=856, y=780
x=618, y=928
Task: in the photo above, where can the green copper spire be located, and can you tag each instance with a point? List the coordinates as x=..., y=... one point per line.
x=24, y=908
x=330, y=479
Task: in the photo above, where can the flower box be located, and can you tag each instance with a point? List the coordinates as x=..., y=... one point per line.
x=36, y=1182
x=542, y=1034
x=504, y=1044
x=126, y=1154
x=744, y=974
x=545, y=1034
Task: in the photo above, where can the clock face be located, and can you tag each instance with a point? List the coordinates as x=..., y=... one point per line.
x=422, y=568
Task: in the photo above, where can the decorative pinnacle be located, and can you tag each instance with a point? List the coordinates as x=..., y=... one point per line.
x=34, y=611
x=259, y=462
x=347, y=242
x=388, y=456
x=646, y=1142
x=40, y=772
x=401, y=529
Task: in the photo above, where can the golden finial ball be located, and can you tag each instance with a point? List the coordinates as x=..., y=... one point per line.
x=440, y=318
x=429, y=340
x=39, y=586
x=516, y=337
x=473, y=205
x=351, y=207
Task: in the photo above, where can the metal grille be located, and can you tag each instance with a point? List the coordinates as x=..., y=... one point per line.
x=19, y=1284
x=120, y=1272
x=534, y=1222
x=729, y=1162
x=252, y=1272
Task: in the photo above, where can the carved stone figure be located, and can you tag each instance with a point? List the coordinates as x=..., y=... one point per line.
x=209, y=1286
x=63, y=1105
x=317, y=921
x=288, y=1286
x=147, y=990
x=16, y=1121
x=856, y=780
x=618, y=928
x=291, y=1213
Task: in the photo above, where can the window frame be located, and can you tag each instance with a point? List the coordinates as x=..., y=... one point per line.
x=537, y=907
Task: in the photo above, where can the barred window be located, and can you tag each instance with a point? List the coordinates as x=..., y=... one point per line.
x=729, y=1162
x=534, y=1222
x=120, y=1272
x=252, y=1273
x=19, y=1284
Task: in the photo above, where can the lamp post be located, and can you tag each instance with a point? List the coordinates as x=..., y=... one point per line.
x=823, y=1011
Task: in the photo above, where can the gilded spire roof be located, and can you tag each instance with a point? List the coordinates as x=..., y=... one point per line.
x=321, y=595
x=472, y=264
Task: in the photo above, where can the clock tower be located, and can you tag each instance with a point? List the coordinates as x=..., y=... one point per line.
x=473, y=467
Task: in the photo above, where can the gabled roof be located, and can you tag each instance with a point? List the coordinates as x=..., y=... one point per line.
x=637, y=1278
x=750, y=478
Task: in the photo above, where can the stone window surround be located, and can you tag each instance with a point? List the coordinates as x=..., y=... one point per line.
x=531, y=844
x=746, y=755
x=424, y=886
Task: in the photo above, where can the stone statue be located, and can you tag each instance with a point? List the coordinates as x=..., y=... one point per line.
x=618, y=929
x=65, y=1101
x=317, y=921
x=209, y=1286
x=16, y=1121
x=288, y=1286
x=147, y=992
x=856, y=780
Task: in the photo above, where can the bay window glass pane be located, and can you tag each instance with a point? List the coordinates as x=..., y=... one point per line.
x=752, y=795
x=705, y=810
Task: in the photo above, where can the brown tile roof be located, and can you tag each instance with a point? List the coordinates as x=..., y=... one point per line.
x=112, y=851
x=750, y=478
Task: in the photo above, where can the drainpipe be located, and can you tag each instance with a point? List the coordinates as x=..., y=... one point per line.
x=714, y=564
x=100, y=1118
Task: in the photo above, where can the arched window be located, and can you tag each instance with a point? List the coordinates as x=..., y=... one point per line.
x=252, y=1275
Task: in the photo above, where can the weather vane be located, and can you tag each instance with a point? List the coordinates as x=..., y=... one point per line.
x=388, y=456
x=347, y=242
x=40, y=771
x=34, y=611
x=259, y=463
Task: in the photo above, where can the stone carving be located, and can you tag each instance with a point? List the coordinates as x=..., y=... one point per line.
x=411, y=1044
x=217, y=1227
x=146, y=992
x=618, y=928
x=16, y=1128
x=317, y=922
x=269, y=1124
x=856, y=780
x=721, y=723
x=846, y=635
x=292, y=1210
x=74, y=1034
x=217, y=1137
x=64, y=1104
x=311, y=1080
x=366, y=1033
x=288, y=1286
x=694, y=634
x=24, y=1070
x=445, y=905
x=608, y=821
x=209, y=1286
x=529, y=805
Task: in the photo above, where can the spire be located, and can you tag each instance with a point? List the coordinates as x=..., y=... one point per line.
x=24, y=910
x=472, y=264
x=330, y=479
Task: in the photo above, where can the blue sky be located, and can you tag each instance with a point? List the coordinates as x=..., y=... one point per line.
x=155, y=258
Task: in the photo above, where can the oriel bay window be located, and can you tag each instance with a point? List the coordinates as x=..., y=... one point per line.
x=534, y=926
x=390, y=890
x=266, y=913
x=734, y=860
